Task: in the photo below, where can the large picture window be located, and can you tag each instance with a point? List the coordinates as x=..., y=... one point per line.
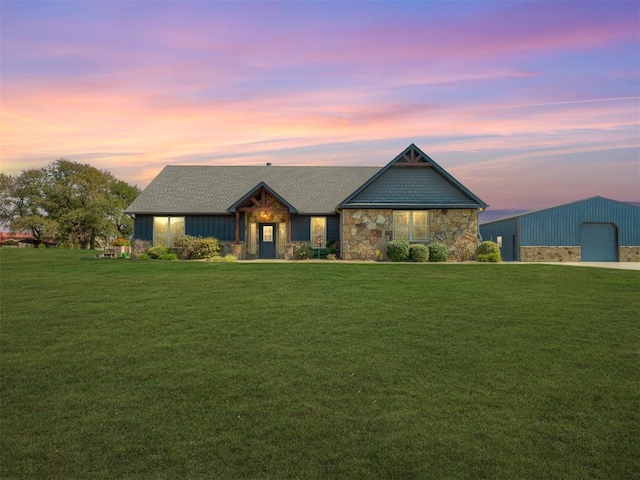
x=166, y=229
x=318, y=232
x=411, y=225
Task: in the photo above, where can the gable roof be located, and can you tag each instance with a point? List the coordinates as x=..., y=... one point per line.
x=254, y=191
x=412, y=180
x=213, y=189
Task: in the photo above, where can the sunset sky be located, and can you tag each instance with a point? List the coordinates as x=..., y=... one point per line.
x=528, y=104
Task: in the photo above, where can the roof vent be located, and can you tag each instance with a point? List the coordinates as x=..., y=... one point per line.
x=268, y=164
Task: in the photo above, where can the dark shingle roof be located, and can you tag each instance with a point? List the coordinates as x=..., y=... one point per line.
x=213, y=189
x=412, y=180
x=411, y=186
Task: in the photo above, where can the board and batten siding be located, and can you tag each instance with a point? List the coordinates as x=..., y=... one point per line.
x=221, y=227
x=301, y=228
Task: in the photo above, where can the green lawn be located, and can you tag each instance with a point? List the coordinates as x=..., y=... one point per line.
x=119, y=369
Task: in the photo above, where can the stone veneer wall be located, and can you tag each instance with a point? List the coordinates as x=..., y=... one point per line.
x=629, y=254
x=375, y=227
x=371, y=226
x=448, y=225
x=550, y=254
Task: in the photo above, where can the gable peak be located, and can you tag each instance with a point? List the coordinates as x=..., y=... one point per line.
x=412, y=156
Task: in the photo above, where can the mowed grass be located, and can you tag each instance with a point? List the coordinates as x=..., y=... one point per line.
x=143, y=370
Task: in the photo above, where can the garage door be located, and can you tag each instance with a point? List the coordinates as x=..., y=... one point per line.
x=598, y=242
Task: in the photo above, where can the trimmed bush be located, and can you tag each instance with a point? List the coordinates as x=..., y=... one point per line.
x=489, y=257
x=121, y=242
x=143, y=256
x=168, y=256
x=156, y=252
x=205, y=248
x=438, y=252
x=304, y=252
x=229, y=259
x=398, y=250
x=463, y=249
x=184, y=246
x=418, y=253
x=488, y=247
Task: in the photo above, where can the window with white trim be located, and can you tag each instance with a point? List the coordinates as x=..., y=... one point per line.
x=318, y=232
x=166, y=229
x=411, y=225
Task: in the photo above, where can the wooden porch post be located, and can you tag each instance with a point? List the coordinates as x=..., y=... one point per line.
x=237, y=226
x=288, y=227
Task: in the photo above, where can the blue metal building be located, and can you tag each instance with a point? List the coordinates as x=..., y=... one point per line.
x=595, y=229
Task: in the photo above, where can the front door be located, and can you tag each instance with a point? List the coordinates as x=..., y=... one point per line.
x=267, y=240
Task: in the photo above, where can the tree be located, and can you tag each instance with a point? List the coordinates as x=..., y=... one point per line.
x=77, y=203
x=21, y=205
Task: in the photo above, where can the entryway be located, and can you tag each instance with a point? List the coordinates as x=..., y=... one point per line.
x=268, y=232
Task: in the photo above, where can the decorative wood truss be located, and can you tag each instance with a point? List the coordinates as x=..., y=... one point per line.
x=263, y=200
x=413, y=158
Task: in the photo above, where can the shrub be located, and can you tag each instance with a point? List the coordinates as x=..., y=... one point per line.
x=155, y=252
x=304, y=252
x=331, y=256
x=364, y=251
x=184, y=246
x=121, y=242
x=489, y=257
x=398, y=250
x=418, y=253
x=229, y=259
x=205, y=248
x=438, y=252
x=168, y=256
x=143, y=256
x=464, y=249
x=215, y=259
x=332, y=248
x=488, y=247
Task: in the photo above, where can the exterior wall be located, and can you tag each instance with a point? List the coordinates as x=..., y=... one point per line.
x=143, y=227
x=375, y=227
x=550, y=254
x=560, y=226
x=370, y=226
x=508, y=230
x=221, y=227
x=629, y=254
x=447, y=225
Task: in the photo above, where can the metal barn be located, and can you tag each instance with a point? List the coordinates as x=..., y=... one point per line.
x=595, y=229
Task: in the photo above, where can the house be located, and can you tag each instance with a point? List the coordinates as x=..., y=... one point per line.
x=270, y=211
x=595, y=229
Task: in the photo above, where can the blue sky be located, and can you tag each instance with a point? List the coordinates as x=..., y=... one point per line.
x=528, y=104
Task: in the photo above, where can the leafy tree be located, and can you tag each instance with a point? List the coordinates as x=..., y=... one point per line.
x=74, y=202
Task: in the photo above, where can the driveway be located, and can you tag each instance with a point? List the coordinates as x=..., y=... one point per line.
x=618, y=265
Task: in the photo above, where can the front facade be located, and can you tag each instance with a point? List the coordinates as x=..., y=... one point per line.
x=596, y=229
x=270, y=212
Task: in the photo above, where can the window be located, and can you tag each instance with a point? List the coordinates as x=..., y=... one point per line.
x=318, y=232
x=411, y=225
x=267, y=233
x=166, y=229
x=252, y=239
x=281, y=238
